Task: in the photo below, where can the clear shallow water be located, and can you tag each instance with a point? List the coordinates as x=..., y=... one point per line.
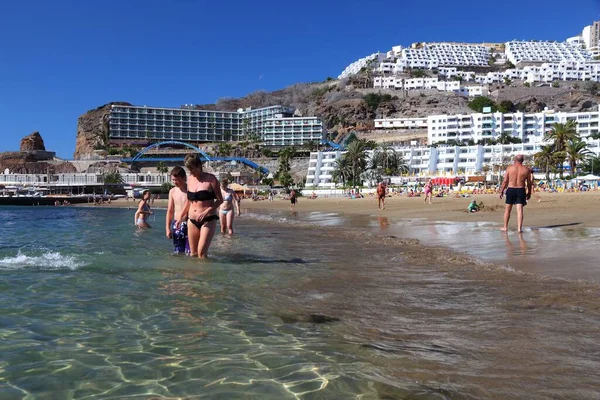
x=92, y=308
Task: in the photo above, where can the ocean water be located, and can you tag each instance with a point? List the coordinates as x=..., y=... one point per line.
x=293, y=306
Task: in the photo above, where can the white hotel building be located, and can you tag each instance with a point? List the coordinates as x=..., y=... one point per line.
x=450, y=159
x=431, y=161
x=276, y=125
x=530, y=127
x=355, y=67
x=398, y=83
x=530, y=51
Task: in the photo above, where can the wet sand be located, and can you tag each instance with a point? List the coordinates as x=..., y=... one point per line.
x=561, y=230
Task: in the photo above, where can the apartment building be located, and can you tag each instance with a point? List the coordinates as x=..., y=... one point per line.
x=355, y=67
x=132, y=123
x=538, y=72
x=591, y=38
x=398, y=83
x=530, y=128
x=530, y=51
x=434, y=55
x=431, y=161
x=401, y=123
x=281, y=131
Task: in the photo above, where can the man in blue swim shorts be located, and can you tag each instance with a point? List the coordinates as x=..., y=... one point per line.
x=518, y=183
x=177, y=199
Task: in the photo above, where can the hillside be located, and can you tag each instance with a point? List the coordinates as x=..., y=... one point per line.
x=341, y=105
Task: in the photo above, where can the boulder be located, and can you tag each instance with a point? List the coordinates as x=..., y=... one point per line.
x=33, y=142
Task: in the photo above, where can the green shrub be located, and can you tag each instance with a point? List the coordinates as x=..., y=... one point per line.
x=374, y=99
x=479, y=102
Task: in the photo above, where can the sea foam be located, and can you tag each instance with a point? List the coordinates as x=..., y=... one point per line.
x=47, y=260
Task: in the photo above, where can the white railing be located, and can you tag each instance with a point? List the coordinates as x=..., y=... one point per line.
x=82, y=179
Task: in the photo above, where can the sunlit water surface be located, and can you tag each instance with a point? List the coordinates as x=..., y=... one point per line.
x=93, y=308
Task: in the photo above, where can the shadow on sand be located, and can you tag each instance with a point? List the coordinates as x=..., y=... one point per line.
x=557, y=226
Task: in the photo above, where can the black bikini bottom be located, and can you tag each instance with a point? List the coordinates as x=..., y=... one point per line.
x=199, y=224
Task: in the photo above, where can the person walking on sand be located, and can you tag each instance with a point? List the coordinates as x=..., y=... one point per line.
x=381, y=189
x=175, y=204
x=428, y=190
x=229, y=206
x=293, y=200
x=143, y=211
x=518, y=183
x=202, y=203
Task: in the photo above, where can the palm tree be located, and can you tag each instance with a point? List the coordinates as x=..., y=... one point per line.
x=356, y=154
x=113, y=178
x=504, y=138
x=161, y=167
x=561, y=133
x=576, y=151
x=311, y=145
x=545, y=159
x=341, y=171
x=386, y=160
x=225, y=149
x=592, y=165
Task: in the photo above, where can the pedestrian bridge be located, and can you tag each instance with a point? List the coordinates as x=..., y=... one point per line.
x=150, y=153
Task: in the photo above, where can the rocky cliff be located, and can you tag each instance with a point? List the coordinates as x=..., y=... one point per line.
x=33, y=159
x=341, y=105
x=93, y=131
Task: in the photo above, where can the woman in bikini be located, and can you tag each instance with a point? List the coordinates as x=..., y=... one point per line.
x=143, y=211
x=428, y=191
x=203, y=200
x=229, y=206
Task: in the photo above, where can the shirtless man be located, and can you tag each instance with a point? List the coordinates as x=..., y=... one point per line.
x=177, y=198
x=381, y=189
x=519, y=180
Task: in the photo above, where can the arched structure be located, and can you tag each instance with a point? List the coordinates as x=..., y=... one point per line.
x=205, y=156
x=155, y=145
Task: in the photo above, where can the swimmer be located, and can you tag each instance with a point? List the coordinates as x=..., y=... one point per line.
x=143, y=211
x=176, y=203
x=229, y=206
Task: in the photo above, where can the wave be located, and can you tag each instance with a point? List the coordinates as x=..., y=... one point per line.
x=48, y=260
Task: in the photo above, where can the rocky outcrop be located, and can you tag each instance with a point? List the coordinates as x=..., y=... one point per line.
x=33, y=142
x=33, y=163
x=93, y=131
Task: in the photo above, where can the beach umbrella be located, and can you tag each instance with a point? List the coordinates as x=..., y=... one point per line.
x=588, y=177
x=237, y=187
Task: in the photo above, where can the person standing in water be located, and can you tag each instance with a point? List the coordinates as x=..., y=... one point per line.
x=203, y=200
x=143, y=211
x=381, y=191
x=293, y=200
x=229, y=206
x=176, y=203
x=518, y=183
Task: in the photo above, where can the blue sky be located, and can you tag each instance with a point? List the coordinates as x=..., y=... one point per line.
x=61, y=58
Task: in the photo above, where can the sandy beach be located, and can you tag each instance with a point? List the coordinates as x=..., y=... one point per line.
x=567, y=209
x=578, y=209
